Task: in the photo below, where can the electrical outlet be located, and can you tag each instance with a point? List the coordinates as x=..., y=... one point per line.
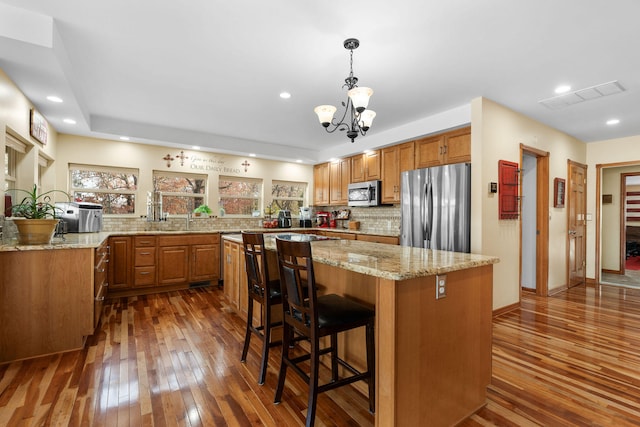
x=441, y=286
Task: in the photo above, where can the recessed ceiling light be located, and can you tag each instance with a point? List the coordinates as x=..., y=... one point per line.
x=285, y=95
x=69, y=121
x=252, y=155
x=54, y=98
x=125, y=138
x=563, y=89
x=298, y=161
x=195, y=147
x=613, y=122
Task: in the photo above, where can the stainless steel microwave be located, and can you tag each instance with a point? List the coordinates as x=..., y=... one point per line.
x=365, y=193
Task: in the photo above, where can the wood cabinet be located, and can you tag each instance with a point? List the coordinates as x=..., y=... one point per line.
x=446, y=148
x=120, y=259
x=100, y=283
x=339, y=177
x=365, y=167
x=375, y=238
x=204, y=258
x=395, y=160
x=149, y=263
x=144, y=261
x=336, y=234
x=173, y=259
x=232, y=274
x=321, y=184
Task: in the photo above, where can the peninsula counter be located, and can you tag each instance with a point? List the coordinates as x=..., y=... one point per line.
x=433, y=355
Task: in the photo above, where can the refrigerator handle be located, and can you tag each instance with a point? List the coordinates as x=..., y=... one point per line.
x=429, y=213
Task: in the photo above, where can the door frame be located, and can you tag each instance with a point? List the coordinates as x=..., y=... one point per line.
x=542, y=219
x=599, y=168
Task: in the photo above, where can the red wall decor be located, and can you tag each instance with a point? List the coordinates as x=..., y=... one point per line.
x=508, y=182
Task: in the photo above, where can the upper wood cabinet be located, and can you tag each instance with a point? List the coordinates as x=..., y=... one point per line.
x=339, y=177
x=395, y=160
x=365, y=167
x=321, y=184
x=450, y=147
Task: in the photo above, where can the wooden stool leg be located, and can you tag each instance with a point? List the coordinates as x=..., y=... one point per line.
x=286, y=334
x=247, y=335
x=313, y=381
x=334, y=357
x=265, y=345
x=371, y=366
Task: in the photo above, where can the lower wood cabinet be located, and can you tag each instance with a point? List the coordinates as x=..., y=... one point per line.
x=150, y=263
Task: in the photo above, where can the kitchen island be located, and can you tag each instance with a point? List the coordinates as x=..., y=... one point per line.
x=433, y=345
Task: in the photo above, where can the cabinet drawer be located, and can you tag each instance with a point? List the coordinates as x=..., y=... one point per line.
x=145, y=257
x=144, y=276
x=204, y=239
x=146, y=241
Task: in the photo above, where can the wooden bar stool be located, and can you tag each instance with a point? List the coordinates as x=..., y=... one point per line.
x=262, y=290
x=315, y=317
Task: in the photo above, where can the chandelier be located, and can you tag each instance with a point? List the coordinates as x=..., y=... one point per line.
x=360, y=118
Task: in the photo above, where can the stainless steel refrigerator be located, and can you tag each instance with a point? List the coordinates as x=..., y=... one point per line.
x=436, y=208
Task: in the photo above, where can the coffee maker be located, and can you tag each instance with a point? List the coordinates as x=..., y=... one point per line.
x=284, y=219
x=305, y=217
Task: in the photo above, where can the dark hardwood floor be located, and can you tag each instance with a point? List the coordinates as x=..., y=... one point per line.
x=173, y=359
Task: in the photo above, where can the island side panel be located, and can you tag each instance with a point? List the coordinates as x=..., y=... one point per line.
x=46, y=301
x=443, y=352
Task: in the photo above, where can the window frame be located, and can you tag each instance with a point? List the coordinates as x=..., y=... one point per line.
x=289, y=182
x=106, y=169
x=194, y=176
x=259, y=198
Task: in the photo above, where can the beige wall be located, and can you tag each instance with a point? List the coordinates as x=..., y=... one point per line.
x=497, y=133
x=147, y=158
x=15, y=118
x=607, y=153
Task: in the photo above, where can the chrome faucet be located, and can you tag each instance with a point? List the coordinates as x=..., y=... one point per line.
x=189, y=219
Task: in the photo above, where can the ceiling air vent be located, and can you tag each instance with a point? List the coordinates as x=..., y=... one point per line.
x=582, y=95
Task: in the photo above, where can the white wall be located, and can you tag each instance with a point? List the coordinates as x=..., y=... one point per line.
x=15, y=110
x=147, y=158
x=496, y=134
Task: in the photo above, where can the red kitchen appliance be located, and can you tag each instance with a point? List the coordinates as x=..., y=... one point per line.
x=323, y=219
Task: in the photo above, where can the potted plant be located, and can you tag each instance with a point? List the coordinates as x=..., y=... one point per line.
x=36, y=216
x=202, y=210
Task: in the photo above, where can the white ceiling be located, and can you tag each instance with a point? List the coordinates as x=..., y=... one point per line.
x=209, y=73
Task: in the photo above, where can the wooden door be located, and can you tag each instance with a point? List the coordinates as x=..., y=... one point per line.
x=205, y=262
x=173, y=265
x=120, y=262
x=321, y=184
x=576, y=236
x=457, y=146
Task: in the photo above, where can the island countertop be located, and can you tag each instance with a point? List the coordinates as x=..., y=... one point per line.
x=382, y=260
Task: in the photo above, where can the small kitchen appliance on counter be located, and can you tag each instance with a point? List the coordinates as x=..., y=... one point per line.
x=284, y=219
x=305, y=217
x=323, y=219
x=81, y=217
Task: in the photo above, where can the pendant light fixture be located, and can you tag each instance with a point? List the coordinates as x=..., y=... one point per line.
x=360, y=118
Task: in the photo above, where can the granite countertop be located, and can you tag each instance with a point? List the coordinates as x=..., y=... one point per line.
x=382, y=260
x=93, y=240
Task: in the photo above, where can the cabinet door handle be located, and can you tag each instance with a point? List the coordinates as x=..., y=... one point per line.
x=101, y=270
x=143, y=273
x=100, y=298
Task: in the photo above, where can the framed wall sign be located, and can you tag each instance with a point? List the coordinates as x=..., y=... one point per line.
x=38, y=127
x=558, y=192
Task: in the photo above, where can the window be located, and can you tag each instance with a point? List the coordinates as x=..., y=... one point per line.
x=9, y=168
x=181, y=192
x=239, y=196
x=113, y=188
x=288, y=195
x=14, y=148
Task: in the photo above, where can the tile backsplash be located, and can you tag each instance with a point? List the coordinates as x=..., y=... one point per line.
x=375, y=220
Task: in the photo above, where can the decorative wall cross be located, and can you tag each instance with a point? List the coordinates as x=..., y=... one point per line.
x=169, y=159
x=182, y=158
x=246, y=164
